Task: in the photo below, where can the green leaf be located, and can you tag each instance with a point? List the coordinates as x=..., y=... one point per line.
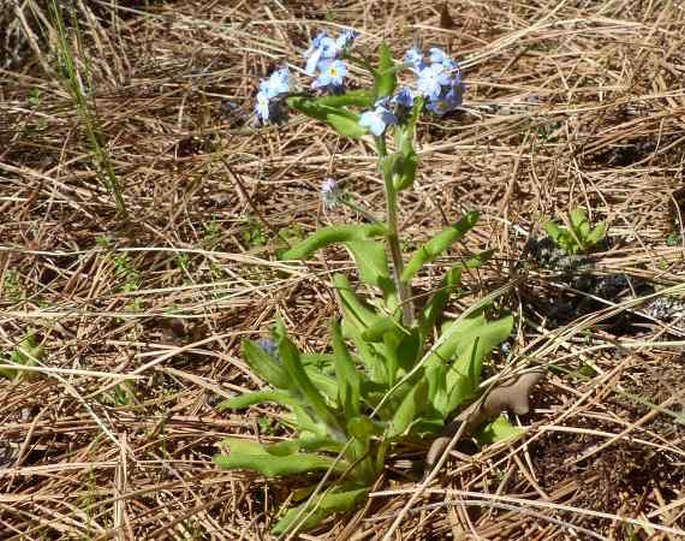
x=323, y=361
x=8, y=373
x=362, y=428
x=26, y=353
x=326, y=384
x=344, y=121
x=347, y=375
x=381, y=328
x=358, y=312
x=409, y=409
x=301, y=381
x=248, y=455
x=597, y=234
x=461, y=349
x=290, y=447
x=499, y=430
x=406, y=171
x=561, y=237
x=309, y=514
x=439, y=244
x=360, y=454
x=357, y=98
x=302, y=421
x=372, y=262
x=400, y=168
x=385, y=78
x=258, y=397
x=409, y=349
x=579, y=223
x=331, y=235
x=436, y=376
x=264, y=365
x=477, y=337
x=436, y=305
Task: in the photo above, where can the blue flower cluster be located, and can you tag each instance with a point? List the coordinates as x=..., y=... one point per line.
x=270, y=98
x=438, y=81
x=324, y=56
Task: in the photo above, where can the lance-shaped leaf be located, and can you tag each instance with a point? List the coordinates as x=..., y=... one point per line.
x=346, y=124
x=404, y=136
x=290, y=447
x=400, y=168
x=322, y=361
x=346, y=372
x=439, y=244
x=331, y=235
x=309, y=514
x=342, y=120
x=370, y=357
x=248, y=455
x=409, y=409
x=461, y=348
x=381, y=328
x=477, y=338
x=300, y=380
x=362, y=453
x=326, y=384
x=406, y=171
x=264, y=365
x=436, y=376
x=436, y=305
x=372, y=262
x=248, y=399
x=357, y=98
x=385, y=77
x=359, y=313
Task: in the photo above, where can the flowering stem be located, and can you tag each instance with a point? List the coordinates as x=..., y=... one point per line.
x=403, y=288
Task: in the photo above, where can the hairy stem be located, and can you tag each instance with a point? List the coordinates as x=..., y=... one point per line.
x=403, y=288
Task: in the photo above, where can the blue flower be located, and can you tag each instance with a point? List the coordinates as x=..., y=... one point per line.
x=449, y=99
x=280, y=82
x=403, y=99
x=269, y=106
x=262, y=107
x=431, y=80
x=414, y=58
x=439, y=81
x=269, y=347
x=323, y=48
x=377, y=120
x=332, y=76
x=438, y=56
x=324, y=56
x=330, y=193
x=346, y=39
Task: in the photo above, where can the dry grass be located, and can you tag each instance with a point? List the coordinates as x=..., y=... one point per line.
x=571, y=102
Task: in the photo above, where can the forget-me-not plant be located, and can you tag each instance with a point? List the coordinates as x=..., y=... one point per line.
x=395, y=371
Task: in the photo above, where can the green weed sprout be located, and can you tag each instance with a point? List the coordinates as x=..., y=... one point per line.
x=395, y=371
x=580, y=237
x=25, y=354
